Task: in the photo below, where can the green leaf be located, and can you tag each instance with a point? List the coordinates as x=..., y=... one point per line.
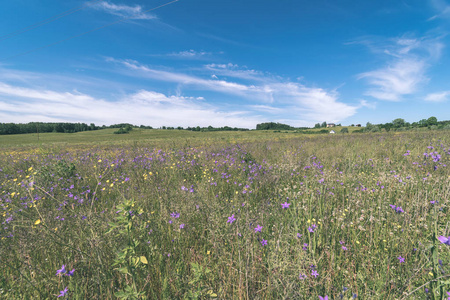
x=120, y=294
x=143, y=260
x=123, y=270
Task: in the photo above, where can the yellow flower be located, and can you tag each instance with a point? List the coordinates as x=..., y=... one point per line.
x=37, y=222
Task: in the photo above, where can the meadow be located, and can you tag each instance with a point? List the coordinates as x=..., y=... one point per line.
x=160, y=214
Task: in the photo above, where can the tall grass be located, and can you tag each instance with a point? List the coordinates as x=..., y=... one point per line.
x=294, y=218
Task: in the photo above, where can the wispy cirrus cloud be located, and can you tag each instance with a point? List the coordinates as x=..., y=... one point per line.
x=405, y=72
x=189, y=54
x=22, y=104
x=443, y=9
x=280, y=98
x=438, y=97
x=135, y=12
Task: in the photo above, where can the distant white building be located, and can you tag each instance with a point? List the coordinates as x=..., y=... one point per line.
x=331, y=125
x=332, y=131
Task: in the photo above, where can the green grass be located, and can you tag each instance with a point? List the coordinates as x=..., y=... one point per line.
x=107, y=206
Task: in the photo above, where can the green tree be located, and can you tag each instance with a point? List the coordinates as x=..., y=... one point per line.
x=432, y=121
x=344, y=130
x=397, y=123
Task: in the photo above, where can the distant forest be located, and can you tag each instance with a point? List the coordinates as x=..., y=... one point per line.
x=41, y=127
x=33, y=127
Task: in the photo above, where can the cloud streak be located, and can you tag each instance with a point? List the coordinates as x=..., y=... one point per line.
x=299, y=103
x=135, y=12
x=406, y=70
x=20, y=104
x=438, y=97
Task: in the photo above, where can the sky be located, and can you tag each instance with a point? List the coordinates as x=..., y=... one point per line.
x=224, y=63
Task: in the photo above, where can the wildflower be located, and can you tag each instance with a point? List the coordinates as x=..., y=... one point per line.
x=302, y=276
x=264, y=242
x=285, y=205
x=62, y=270
x=231, y=219
x=70, y=273
x=305, y=246
x=401, y=259
x=444, y=240
x=355, y=296
x=310, y=229
x=63, y=292
x=175, y=215
x=181, y=226
x=315, y=274
x=344, y=248
x=258, y=228
x=323, y=298
x=399, y=210
x=299, y=235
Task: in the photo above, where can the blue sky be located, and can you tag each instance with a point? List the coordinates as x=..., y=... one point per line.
x=224, y=63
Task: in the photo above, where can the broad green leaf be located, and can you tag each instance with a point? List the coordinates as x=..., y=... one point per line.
x=143, y=260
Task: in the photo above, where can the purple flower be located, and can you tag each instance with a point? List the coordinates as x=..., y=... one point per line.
x=63, y=293
x=444, y=240
x=70, y=273
x=62, y=270
x=231, y=219
x=305, y=246
x=314, y=273
x=181, y=226
x=258, y=228
x=299, y=235
x=323, y=298
x=285, y=205
x=264, y=242
x=344, y=248
x=401, y=259
x=310, y=229
x=302, y=276
x=175, y=215
x=399, y=210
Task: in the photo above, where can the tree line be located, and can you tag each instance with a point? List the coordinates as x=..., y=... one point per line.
x=38, y=127
x=400, y=124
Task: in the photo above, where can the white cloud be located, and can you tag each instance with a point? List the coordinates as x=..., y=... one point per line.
x=391, y=82
x=287, y=99
x=233, y=70
x=194, y=81
x=125, y=11
x=405, y=73
x=438, y=97
x=20, y=104
x=190, y=54
x=442, y=8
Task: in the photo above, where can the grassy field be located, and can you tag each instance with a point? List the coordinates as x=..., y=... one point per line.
x=168, y=214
